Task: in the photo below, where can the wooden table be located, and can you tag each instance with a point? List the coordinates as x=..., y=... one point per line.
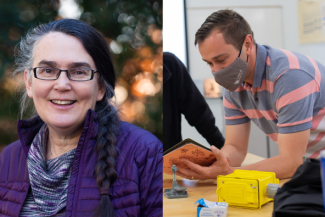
x=206, y=189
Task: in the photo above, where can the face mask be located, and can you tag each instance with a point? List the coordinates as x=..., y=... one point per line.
x=232, y=76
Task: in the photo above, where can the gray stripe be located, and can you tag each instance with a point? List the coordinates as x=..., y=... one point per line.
x=232, y=112
x=290, y=81
x=266, y=126
x=279, y=62
x=297, y=111
x=245, y=100
x=237, y=121
x=305, y=64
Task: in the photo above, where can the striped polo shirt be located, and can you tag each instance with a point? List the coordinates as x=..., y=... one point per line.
x=287, y=96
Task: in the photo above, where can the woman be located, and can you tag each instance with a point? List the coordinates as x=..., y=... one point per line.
x=75, y=157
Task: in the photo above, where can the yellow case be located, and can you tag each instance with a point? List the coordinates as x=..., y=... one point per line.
x=245, y=188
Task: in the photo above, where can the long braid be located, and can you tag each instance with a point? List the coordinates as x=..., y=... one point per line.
x=106, y=148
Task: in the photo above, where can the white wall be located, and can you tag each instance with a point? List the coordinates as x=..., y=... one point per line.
x=174, y=28
x=274, y=23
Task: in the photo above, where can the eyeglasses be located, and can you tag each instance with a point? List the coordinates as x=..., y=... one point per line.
x=74, y=74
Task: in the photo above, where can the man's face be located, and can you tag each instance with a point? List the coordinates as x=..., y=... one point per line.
x=216, y=53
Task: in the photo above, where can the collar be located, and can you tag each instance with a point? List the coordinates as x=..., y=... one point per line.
x=27, y=129
x=260, y=64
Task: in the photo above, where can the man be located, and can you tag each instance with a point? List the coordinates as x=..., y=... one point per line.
x=282, y=92
x=181, y=96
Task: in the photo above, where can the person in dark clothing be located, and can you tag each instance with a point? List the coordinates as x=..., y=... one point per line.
x=181, y=96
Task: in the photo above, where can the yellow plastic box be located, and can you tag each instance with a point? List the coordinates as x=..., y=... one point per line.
x=245, y=188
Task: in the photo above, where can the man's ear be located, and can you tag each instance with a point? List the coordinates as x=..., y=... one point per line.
x=101, y=91
x=248, y=44
x=28, y=83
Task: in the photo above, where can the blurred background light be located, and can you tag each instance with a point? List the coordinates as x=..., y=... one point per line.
x=121, y=94
x=69, y=9
x=115, y=47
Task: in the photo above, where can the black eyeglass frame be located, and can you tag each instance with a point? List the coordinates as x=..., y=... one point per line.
x=67, y=71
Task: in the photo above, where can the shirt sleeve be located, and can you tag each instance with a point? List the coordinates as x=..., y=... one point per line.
x=233, y=114
x=295, y=93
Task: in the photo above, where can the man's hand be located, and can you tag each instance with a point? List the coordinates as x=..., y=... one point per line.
x=235, y=149
x=219, y=167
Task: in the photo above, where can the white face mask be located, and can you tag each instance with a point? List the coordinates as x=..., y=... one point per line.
x=232, y=76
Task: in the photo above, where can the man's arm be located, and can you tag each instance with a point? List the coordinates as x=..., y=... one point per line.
x=292, y=147
x=236, y=144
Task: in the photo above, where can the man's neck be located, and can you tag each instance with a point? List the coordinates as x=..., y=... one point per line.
x=249, y=78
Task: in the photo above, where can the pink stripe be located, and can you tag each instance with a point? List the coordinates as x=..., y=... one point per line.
x=273, y=136
x=266, y=85
x=295, y=123
x=235, y=117
x=293, y=60
x=255, y=113
x=317, y=119
x=316, y=154
x=317, y=72
x=268, y=61
x=319, y=137
x=297, y=94
x=227, y=104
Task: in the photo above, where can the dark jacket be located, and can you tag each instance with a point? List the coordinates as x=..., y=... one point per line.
x=181, y=96
x=137, y=190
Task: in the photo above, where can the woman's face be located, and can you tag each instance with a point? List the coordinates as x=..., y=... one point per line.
x=63, y=104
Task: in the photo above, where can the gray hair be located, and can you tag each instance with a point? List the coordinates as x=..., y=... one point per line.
x=24, y=55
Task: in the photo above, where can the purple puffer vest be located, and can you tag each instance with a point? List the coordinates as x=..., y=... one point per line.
x=137, y=190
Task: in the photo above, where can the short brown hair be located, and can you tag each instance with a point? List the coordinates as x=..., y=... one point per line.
x=231, y=24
